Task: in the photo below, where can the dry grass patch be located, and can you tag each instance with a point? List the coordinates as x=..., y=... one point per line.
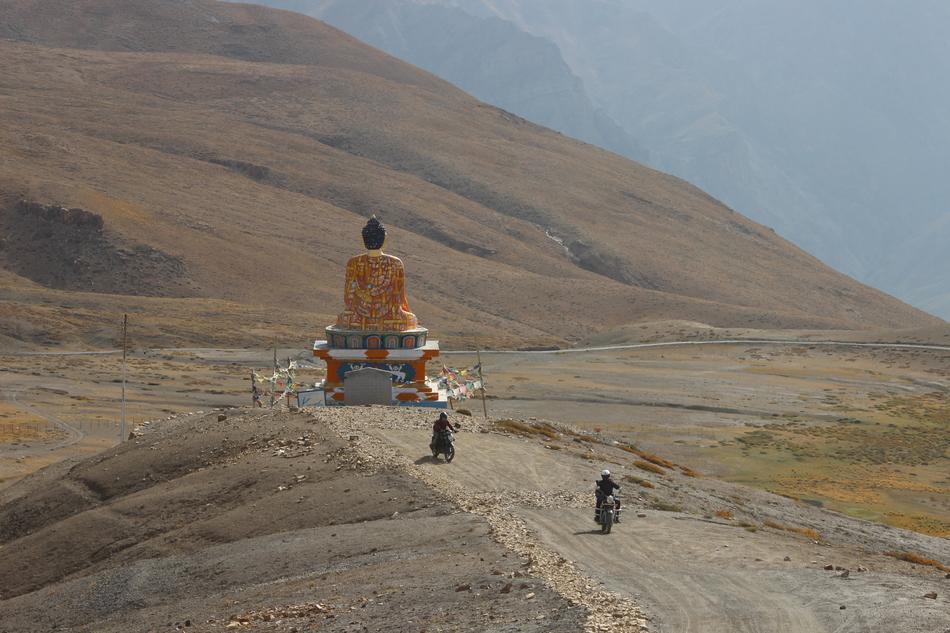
x=650, y=457
x=811, y=533
x=647, y=466
x=665, y=506
x=526, y=429
x=656, y=459
x=639, y=481
x=917, y=559
x=926, y=524
x=724, y=514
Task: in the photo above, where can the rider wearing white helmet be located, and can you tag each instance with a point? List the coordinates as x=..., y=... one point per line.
x=606, y=487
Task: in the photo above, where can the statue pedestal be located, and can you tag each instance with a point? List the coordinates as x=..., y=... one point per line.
x=407, y=366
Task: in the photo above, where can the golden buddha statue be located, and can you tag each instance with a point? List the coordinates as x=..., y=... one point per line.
x=375, y=292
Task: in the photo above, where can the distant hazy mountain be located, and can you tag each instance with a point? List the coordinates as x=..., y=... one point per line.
x=825, y=120
x=488, y=57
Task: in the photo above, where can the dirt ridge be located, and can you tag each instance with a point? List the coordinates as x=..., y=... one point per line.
x=607, y=611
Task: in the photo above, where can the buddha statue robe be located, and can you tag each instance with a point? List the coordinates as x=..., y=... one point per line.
x=375, y=295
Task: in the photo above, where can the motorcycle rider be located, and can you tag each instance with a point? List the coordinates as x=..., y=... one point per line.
x=440, y=425
x=605, y=487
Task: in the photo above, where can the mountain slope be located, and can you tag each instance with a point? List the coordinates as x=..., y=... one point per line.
x=488, y=57
x=823, y=121
x=248, y=146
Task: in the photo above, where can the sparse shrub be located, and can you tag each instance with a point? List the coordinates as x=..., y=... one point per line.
x=512, y=426
x=724, y=514
x=639, y=481
x=689, y=472
x=650, y=457
x=917, y=559
x=813, y=534
x=656, y=459
x=664, y=506
x=527, y=430
x=647, y=466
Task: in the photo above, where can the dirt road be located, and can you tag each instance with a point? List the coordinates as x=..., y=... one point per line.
x=688, y=573
x=694, y=576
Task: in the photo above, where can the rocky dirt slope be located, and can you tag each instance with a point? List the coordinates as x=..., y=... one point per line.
x=258, y=522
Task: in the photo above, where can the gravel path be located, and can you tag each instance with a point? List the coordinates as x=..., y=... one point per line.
x=608, y=612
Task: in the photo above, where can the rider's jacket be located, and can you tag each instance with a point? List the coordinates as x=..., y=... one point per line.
x=607, y=486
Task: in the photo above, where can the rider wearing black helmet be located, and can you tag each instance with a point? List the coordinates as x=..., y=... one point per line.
x=442, y=424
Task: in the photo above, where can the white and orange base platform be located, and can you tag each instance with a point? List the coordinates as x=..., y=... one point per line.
x=410, y=387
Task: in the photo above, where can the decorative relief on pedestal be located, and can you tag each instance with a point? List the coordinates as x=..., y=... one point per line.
x=357, y=339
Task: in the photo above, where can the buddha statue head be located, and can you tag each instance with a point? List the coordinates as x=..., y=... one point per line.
x=374, y=235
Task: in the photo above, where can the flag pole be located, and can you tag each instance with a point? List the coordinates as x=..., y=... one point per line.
x=478, y=356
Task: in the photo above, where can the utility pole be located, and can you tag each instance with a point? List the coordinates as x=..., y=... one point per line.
x=125, y=334
x=273, y=382
x=478, y=356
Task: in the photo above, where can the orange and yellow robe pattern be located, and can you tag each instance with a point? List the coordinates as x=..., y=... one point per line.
x=375, y=295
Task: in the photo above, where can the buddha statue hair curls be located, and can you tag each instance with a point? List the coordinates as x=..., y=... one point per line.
x=374, y=234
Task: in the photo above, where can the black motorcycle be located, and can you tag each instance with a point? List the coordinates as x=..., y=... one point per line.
x=608, y=513
x=444, y=444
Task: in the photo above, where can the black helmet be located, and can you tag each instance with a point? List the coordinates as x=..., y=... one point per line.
x=443, y=416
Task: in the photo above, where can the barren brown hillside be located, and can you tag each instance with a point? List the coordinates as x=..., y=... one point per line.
x=226, y=155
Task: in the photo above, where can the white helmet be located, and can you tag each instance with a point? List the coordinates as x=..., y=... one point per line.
x=605, y=473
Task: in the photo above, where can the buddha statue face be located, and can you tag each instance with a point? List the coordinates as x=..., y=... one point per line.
x=374, y=235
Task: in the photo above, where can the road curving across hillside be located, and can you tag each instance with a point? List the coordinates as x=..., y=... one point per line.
x=634, y=346
x=566, y=350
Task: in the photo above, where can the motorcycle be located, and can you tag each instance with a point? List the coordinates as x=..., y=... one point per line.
x=444, y=444
x=608, y=514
